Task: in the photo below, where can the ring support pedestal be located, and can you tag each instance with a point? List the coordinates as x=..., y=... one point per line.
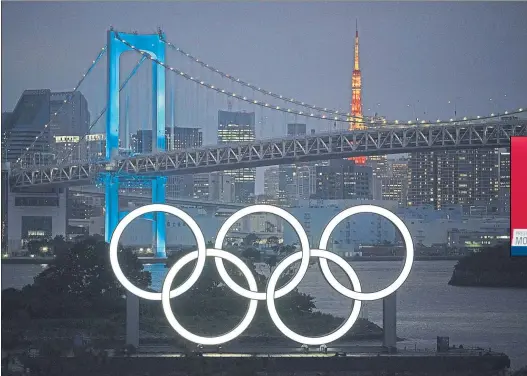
x=389, y=321
x=132, y=319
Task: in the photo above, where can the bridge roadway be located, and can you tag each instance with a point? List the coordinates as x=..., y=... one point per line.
x=335, y=145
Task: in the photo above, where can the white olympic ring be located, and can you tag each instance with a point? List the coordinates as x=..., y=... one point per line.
x=270, y=294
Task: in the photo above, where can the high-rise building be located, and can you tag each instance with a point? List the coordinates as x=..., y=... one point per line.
x=215, y=186
x=4, y=204
x=142, y=141
x=21, y=127
x=296, y=181
x=271, y=181
x=467, y=177
x=238, y=127
x=96, y=146
x=48, y=116
x=178, y=138
x=72, y=116
x=356, y=119
x=343, y=179
x=504, y=185
x=395, y=183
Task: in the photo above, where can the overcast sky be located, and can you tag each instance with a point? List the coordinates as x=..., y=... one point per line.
x=422, y=54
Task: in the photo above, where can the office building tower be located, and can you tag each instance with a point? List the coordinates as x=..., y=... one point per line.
x=467, y=177
x=504, y=185
x=343, y=179
x=21, y=127
x=215, y=186
x=4, y=204
x=178, y=138
x=239, y=127
x=72, y=116
x=142, y=141
x=271, y=181
x=395, y=182
x=96, y=146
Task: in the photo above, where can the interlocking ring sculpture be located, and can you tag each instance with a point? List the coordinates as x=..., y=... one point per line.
x=271, y=293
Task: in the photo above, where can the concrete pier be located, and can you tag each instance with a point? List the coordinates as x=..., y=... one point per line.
x=132, y=319
x=389, y=322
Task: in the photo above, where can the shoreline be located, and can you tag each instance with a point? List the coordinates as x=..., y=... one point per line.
x=151, y=260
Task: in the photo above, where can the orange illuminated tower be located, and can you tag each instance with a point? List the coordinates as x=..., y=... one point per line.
x=356, y=120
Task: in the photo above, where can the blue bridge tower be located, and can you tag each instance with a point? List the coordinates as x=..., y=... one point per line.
x=153, y=45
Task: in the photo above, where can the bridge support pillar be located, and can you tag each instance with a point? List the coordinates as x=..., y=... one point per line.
x=132, y=319
x=389, y=322
x=111, y=214
x=158, y=225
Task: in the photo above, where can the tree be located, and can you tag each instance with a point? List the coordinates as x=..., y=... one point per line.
x=250, y=239
x=251, y=254
x=272, y=240
x=80, y=282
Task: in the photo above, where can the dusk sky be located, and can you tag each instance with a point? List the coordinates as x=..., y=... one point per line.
x=422, y=54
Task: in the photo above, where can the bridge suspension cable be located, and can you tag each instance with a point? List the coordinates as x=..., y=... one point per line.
x=342, y=118
x=254, y=87
x=99, y=116
x=94, y=63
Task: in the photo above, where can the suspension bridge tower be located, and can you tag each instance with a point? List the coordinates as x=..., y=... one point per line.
x=152, y=45
x=356, y=119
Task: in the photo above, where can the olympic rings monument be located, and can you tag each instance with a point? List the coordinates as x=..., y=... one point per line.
x=271, y=293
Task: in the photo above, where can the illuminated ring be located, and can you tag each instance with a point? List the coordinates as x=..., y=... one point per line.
x=409, y=258
x=304, y=242
x=346, y=325
x=166, y=209
x=165, y=298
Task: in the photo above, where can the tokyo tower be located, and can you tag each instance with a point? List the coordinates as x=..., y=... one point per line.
x=356, y=119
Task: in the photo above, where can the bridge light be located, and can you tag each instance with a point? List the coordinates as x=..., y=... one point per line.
x=300, y=113
x=396, y=121
x=212, y=86
x=478, y=116
x=255, y=101
x=506, y=112
x=465, y=118
x=233, y=94
x=201, y=82
x=438, y=121
x=492, y=114
x=521, y=110
x=312, y=115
